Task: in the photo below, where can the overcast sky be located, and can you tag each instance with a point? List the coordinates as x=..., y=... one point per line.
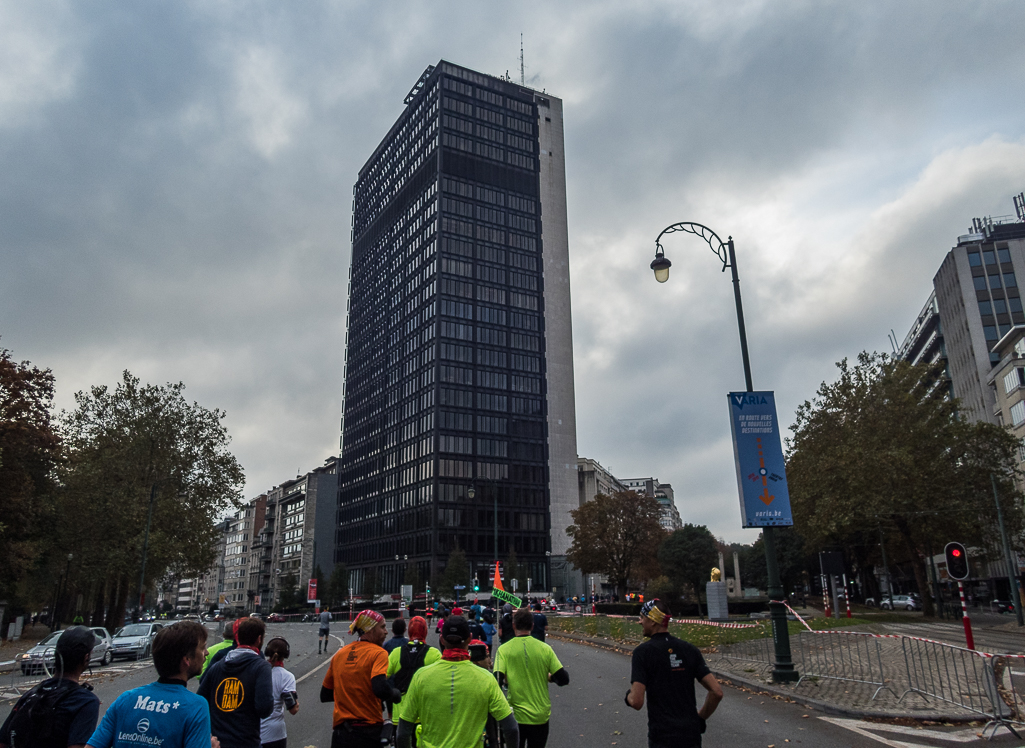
x=176, y=192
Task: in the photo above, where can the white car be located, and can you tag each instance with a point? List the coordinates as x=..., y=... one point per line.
x=135, y=640
x=907, y=602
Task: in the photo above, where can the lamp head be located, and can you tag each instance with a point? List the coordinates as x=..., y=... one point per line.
x=660, y=264
x=471, y=493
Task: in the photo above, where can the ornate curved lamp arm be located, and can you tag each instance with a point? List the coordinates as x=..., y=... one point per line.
x=718, y=245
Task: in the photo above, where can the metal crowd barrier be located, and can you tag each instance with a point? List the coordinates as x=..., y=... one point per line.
x=842, y=655
x=731, y=646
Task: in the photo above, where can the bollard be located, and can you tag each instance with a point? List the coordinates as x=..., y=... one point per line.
x=970, y=641
x=846, y=596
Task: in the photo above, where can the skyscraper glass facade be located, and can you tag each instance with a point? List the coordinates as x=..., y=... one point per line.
x=445, y=382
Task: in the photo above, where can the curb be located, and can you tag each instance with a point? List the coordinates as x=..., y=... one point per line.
x=768, y=688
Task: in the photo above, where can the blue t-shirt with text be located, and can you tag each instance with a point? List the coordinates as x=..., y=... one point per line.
x=160, y=714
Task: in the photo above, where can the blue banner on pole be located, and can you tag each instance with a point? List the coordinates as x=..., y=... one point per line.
x=761, y=472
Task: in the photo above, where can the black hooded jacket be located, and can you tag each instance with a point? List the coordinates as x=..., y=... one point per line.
x=240, y=692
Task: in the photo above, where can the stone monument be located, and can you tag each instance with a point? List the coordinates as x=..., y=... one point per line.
x=715, y=594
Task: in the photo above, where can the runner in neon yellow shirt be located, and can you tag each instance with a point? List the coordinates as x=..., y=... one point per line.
x=526, y=665
x=417, y=654
x=453, y=698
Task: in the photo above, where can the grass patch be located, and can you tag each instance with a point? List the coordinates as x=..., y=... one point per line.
x=628, y=630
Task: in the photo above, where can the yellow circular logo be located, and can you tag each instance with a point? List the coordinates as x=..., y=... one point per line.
x=229, y=694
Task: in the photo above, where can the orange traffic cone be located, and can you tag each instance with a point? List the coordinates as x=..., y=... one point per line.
x=497, y=584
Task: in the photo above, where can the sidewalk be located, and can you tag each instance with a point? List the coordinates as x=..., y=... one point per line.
x=752, y=671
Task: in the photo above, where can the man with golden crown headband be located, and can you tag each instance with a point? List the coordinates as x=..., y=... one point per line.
x=356, y=681
x=665, y=668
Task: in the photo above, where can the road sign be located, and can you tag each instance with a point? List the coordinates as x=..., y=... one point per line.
x=311, y=591
x=407, y=592
x=761, y=474
x=459, y=587
x=506, y=597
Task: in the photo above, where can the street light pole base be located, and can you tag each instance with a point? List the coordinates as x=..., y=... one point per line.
x=784, y=675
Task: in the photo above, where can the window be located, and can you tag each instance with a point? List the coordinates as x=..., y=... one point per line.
x=492, y=448
x=459, y=398
x=1013, y=380
x=990, y=331
x=989, y=256
x=1015, y=304
x=1009, y=280
x=456, y=375
x=456, y=421
x=985, y=308
x=452, y=352
x=999, y=306
x=994, y=280
x=1018, y=413
x=980, y=282
x=1004, y=255
x=974, y=260
x=492, y=379
x=457, y=444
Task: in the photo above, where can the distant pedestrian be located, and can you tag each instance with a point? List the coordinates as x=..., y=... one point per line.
x=325, y=630
x=163, y=713
x=665, y=668
x=540, y=628
x=228, y=642
x=273, y=731
x=60, y=711
x=398, y=629
x=239, y=689
x=488, y=626
x=527, y=665
x=505, y=624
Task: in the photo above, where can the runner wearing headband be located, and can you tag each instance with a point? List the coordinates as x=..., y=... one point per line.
x=665, y=668
x=356, y=681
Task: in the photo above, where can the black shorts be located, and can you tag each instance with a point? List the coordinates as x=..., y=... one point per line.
x=324, y=631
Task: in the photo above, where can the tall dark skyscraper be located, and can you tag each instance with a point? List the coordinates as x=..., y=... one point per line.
x=459, y=369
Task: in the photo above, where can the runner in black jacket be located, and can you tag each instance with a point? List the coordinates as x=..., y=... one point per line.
x=240, y=689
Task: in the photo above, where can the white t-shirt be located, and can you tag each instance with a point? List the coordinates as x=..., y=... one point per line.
x=273, y=727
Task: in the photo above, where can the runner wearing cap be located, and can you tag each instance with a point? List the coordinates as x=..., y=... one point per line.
x=404, y=661
x=228, y=642
x=527, y=665
x=356, y=681
x=60, y=712
x=453, y=698
x=665, y=668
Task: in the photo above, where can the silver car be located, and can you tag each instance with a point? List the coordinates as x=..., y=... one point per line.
x=42, y=657
x=135, y=640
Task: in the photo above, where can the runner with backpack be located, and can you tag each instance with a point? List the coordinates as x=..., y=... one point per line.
x=60, y=712
x=404, y=661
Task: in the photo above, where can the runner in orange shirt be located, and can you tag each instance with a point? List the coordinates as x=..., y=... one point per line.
x=356, y=681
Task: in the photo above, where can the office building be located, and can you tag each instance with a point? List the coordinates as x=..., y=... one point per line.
x=975, y=302
x=458, y=396
x=663, y=494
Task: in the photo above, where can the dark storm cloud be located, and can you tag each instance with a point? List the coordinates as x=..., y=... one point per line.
x=176, y=185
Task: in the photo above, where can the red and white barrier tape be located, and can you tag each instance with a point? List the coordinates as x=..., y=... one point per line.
x=890, y=636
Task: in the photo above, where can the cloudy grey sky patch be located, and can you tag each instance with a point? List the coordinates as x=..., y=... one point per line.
x=176, y=185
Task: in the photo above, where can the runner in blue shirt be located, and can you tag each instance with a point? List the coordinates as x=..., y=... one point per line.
x=164, y=713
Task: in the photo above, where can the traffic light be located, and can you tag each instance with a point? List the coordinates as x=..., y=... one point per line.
x=476, y=585
x=957, y=561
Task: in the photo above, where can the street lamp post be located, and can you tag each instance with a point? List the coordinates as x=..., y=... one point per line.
x=784, y=668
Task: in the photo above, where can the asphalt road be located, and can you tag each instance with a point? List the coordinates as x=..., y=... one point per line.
x=589, y=711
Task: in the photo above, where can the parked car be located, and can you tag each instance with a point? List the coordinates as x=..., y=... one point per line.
x=42, y=657
x=135, y=640
x=906, y=602
x=1002, y=606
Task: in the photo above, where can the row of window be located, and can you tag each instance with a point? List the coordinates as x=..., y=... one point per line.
x=472, y=190
x=991, y=257
x=994, y=281
x=490, y=294
x=1000, y=306
x=490, y=315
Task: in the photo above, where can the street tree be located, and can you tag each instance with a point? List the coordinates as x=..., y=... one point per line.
x=129, y=451
x=688, y=555
x=617, y=536
x=882, y=448
x=456, y=570
x=29, y=450
x=790, y=556
x=338, y=586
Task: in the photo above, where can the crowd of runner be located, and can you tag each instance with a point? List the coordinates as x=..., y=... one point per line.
x=482, y=685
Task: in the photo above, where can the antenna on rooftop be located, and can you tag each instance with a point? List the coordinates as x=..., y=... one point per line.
x=522, y=76
x=892, y=337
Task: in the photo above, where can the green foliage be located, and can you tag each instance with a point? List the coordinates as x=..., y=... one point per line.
x=617, y=536
x=122, y=447
x=29, y=449
x=687, y=557
x=456, y=572
x=289, y=599
x=663, y=588
x=882, y=447
x=790, y=554
x=337, y=588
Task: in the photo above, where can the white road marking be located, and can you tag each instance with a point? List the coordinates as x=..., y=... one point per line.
x=854, y=725
x=322, y=665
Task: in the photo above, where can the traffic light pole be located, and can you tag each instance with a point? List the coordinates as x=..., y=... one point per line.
x=969, y=639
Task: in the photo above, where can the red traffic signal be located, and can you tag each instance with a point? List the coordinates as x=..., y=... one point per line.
x=957, y=561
